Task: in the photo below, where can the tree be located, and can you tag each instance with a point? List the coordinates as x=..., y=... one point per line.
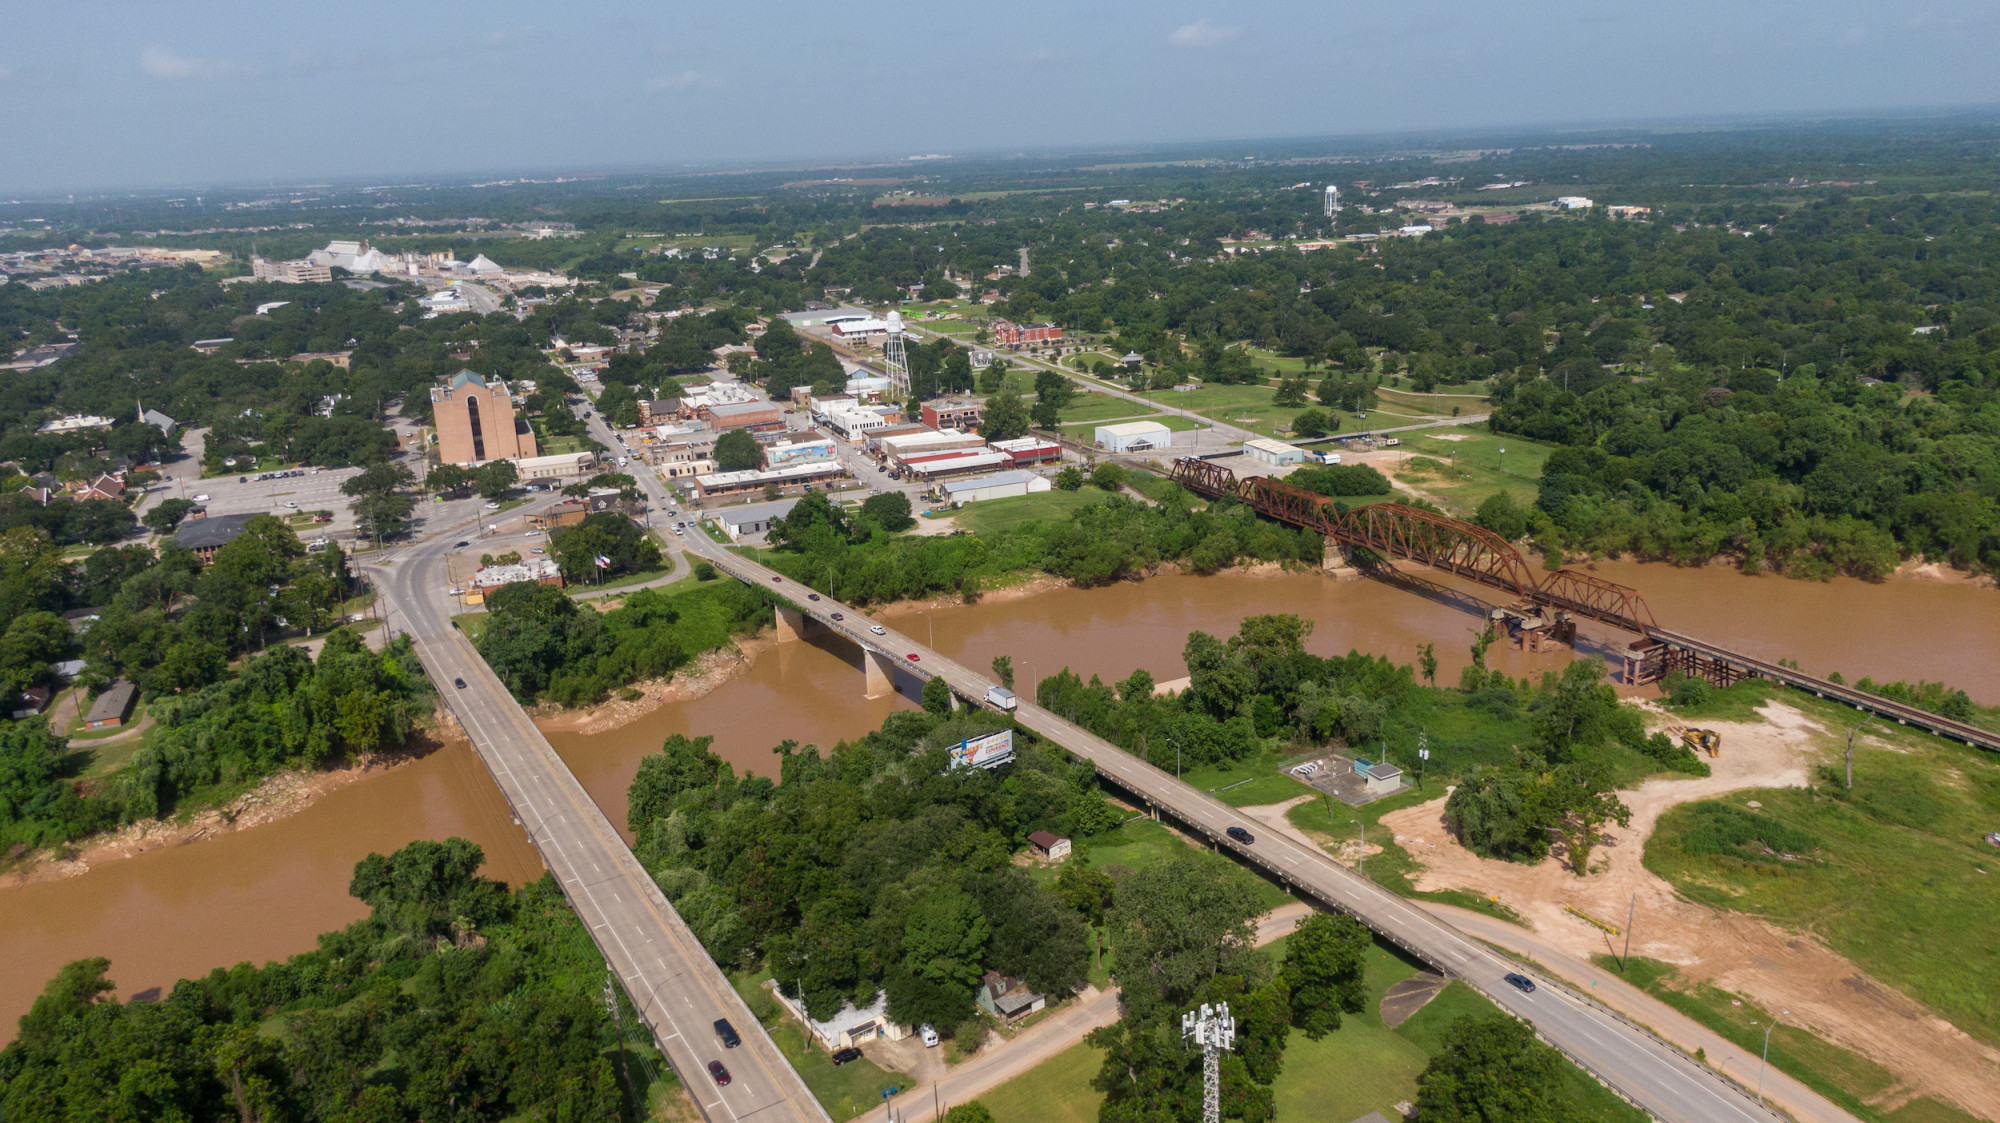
x=448, y=477
x=167, y=515
x=1315, y=423
x=495, y=478
x=378, y=479
x=1088, y=891
x=1501, y=515
x=1179, y=924
x=607, y=535
x=1323, y=966
x=1427, y=662
x=1070, y=478
x=383, y=516
x=1003, y=669
x=429, y=888
x=1053, y=388
x=993, y=379
x=1004, y=418
x=1290, y=392
x=738, y=451
x=972, y=1112
x=1491, y=1069
x=1047, y=414
x=937, y=697
x=890, y=510
x=261, y=555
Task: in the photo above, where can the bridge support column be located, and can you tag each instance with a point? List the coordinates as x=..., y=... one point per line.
x=880, y=672
x=791, y=624
x=1336, y=564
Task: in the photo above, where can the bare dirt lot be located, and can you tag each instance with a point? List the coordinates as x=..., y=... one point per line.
x=1793, y=971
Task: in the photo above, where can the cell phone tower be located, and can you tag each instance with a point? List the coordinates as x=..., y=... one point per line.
x=894, y=358
x=1213, y=1031
x=1332, y=200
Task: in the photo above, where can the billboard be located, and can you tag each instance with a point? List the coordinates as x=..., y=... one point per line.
x=798, y=452
x=990, y=751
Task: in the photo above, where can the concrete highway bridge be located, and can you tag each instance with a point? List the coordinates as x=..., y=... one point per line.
x=677, y=989
x=1646, y=1070
x=1470, y=551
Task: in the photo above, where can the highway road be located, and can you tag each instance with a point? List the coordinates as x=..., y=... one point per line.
x=1644, y=1069
x=678, y=990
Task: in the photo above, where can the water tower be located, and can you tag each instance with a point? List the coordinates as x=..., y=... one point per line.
x=1332, y=200
x=894, y=358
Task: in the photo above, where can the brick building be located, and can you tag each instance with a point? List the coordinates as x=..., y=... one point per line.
x=476, y=423
x=1015, y=335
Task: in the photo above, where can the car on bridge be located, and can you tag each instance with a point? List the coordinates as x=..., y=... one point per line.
x=458, y=682
x=1520, y=982
x=877, y=629
x=720, y=1074
x=915, y=658
x=1240, y=835
x=727, y=1033
x=838, y=616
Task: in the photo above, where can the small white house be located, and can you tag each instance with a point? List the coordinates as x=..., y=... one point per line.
x=850, y=1026
x=1134, y=436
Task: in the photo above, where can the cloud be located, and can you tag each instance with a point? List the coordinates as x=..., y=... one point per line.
x=1040, y=56
x=504, y=37
x=685, y=80
x=164, y=64
x=1202, y=34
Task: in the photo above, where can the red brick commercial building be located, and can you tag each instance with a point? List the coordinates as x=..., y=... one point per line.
x=951, y=415
x=758, y=417
x=1015, y=335
x=476, y=423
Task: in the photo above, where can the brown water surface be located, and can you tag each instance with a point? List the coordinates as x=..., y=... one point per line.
x=267, y=892
x=257, y=894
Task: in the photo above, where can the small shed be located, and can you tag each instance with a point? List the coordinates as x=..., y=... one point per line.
x=1050, y=847
x=113, y=708
x=1384, y=777
x=1006, y=997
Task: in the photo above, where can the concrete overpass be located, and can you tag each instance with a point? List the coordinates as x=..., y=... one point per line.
x=677, y=989
x=1646, y=1070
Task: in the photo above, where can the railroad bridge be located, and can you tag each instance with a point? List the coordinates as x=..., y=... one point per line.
x=1398, y=530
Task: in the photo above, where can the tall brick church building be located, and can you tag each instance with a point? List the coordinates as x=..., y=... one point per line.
x=475, y=421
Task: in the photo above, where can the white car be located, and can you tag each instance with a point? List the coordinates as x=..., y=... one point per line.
x=877, y=629
x=493, y=506
x=292, y=505
x=202, y=498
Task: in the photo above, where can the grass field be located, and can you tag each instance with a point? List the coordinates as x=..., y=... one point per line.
x=1332, y=823
x=996, y=515
x=1103, y=407
x=1470, y=466
x=1141, y=843
x=1265, y=782
x=1056, y=1091
x=1846, y=1078
x=1246, y=407
x=1895, y=874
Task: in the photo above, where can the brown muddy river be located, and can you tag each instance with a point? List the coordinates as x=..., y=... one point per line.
x=265, y=893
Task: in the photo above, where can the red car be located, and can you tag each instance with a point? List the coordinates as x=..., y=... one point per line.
x=721, y=1074
x=914, y=657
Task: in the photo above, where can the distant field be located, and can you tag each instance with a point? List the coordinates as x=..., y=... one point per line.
x=995, y=515
x=1101, y=407
x=1056, y=1091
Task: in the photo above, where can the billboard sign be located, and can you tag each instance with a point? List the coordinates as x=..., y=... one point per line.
x=990, y=751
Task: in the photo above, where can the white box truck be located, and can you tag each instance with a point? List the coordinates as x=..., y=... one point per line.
x=1001, y=697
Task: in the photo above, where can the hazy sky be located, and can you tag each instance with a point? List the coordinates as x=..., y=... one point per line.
x=98, y=94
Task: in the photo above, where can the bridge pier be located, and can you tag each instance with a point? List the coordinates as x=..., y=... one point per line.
x=880, y=672
x=1335, y=560
x=791, y=624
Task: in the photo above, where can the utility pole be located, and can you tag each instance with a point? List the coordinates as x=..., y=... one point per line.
x=1850, y=757
x=1423, y=754
x=1214, y=1032
x=1630, y=910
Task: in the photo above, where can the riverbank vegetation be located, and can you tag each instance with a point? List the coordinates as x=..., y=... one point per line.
x=853, y=558
x=453, y=999
x=547, y=647
x=224, y=710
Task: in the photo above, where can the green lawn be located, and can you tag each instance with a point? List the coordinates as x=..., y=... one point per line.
x=1141, y=843
x=996, y=515
x=1846, y=1078
x=1466, y=465
x=1056, y=1091
x=1266, y=783
x=1394, y=868
x=1247, y=407
x=1103, y=407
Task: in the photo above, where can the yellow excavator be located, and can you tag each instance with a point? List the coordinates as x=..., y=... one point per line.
x=1702, y=741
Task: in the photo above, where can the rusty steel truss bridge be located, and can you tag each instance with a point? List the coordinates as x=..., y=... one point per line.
x=1463, y=549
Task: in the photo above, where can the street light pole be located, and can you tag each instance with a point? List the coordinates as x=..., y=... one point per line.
x=1361, y=842
x=1766, y=1063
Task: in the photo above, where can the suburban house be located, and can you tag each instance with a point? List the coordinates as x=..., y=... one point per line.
x=1004, y=997
x=1049, y=847
x=204, y=537
x=113, y=707
x=850, y=1026
x=103, y=487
